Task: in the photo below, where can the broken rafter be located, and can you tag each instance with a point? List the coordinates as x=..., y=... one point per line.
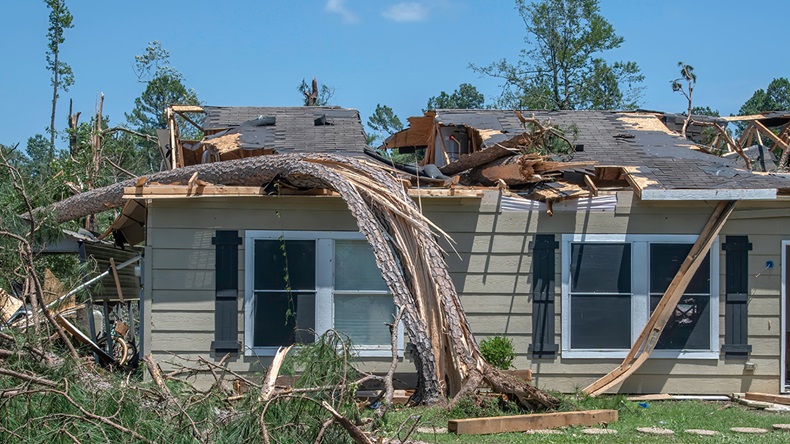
x=728, y=139
x=648, y=339
x=192, y=122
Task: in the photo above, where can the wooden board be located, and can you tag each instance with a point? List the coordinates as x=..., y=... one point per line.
x=183, y=191
x=767, y=397
x=8, y=305
x=521, y=423
x=84, y=339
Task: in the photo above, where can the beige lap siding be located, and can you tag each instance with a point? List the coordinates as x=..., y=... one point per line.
x=491, y=268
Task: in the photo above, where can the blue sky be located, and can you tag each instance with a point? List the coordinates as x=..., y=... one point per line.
x=243, y=52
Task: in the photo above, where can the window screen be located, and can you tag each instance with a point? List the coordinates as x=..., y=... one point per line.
x=284, y=288
x=689, y=326
x=363, y=304
x=600, y=296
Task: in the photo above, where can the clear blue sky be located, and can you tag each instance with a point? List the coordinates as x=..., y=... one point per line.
x=397, y=53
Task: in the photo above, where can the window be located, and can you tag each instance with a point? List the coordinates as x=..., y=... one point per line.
x=299, y=284
x=611, y=284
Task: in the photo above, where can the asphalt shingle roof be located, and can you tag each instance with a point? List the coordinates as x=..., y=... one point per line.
x=294, y=130
x=637, y=139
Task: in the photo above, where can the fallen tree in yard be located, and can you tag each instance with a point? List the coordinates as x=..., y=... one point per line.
x=449, y=360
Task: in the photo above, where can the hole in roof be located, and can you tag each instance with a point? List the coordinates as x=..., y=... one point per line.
x=321, y=121
x=261, y=121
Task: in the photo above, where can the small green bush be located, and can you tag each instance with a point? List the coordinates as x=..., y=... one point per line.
x=499, y=352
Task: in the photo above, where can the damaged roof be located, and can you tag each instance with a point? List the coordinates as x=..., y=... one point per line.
x=287, y=129
x=656, y=156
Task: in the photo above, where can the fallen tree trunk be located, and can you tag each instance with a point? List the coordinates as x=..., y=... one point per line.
x=449, y=357
x=518, y=170
x=476, y=159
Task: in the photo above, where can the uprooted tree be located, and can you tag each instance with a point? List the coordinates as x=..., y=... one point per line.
x=449, y=362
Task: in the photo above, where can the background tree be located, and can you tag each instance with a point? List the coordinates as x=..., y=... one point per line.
x=562, y=67
x=383, y=122
x=60, y=19
x=704, y=111
x=465, y=97
x=775, y=98
x=313, y=95
x=687, y=75
x=164, y=86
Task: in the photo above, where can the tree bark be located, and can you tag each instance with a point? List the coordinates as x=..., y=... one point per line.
x=476, y=159
x=449, y=357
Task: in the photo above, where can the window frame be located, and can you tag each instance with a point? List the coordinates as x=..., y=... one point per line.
x=324, y=288
x=640, y=293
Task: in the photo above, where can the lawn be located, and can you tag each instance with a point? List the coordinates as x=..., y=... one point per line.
x=675, y=415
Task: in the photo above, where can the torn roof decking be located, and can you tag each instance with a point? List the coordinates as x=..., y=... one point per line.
x=294, y=129
x=662, y=161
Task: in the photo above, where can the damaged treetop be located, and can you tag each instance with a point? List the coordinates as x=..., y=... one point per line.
x=449, y=360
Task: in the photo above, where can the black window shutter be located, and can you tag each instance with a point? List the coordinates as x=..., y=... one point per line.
x=543, y=344
x=736, y=334
x=226, y=308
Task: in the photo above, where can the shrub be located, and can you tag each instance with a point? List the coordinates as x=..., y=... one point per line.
x=499, y=352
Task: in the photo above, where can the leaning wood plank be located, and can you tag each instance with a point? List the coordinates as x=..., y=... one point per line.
x=647, y=340
x=114, y=272
x=521, y=423
x=767, y=397
x=82, y=338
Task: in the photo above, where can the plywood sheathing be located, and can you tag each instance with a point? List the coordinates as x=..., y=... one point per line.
x=418, y=134
x=8, y=305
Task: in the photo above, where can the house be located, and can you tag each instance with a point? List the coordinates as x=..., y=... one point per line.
x=569, y=269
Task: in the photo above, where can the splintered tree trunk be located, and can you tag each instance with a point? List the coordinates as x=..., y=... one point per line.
x=449, y=360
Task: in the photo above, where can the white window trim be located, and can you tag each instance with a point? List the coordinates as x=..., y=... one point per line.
x=324, y=291
x=640, y=299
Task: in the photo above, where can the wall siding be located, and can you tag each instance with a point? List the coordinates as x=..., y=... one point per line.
x=490, y=264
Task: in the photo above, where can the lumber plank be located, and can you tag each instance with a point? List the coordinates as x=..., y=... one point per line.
x=767, y=397
x=521, y=423
x=114, y=272
x=187, y=108
x=590, y=185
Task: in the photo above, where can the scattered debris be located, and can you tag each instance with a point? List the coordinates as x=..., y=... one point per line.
x=769, y=398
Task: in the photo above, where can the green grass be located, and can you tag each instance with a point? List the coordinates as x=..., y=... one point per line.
x=674, y=415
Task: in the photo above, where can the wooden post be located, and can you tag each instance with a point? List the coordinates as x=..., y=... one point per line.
x=114, y=272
